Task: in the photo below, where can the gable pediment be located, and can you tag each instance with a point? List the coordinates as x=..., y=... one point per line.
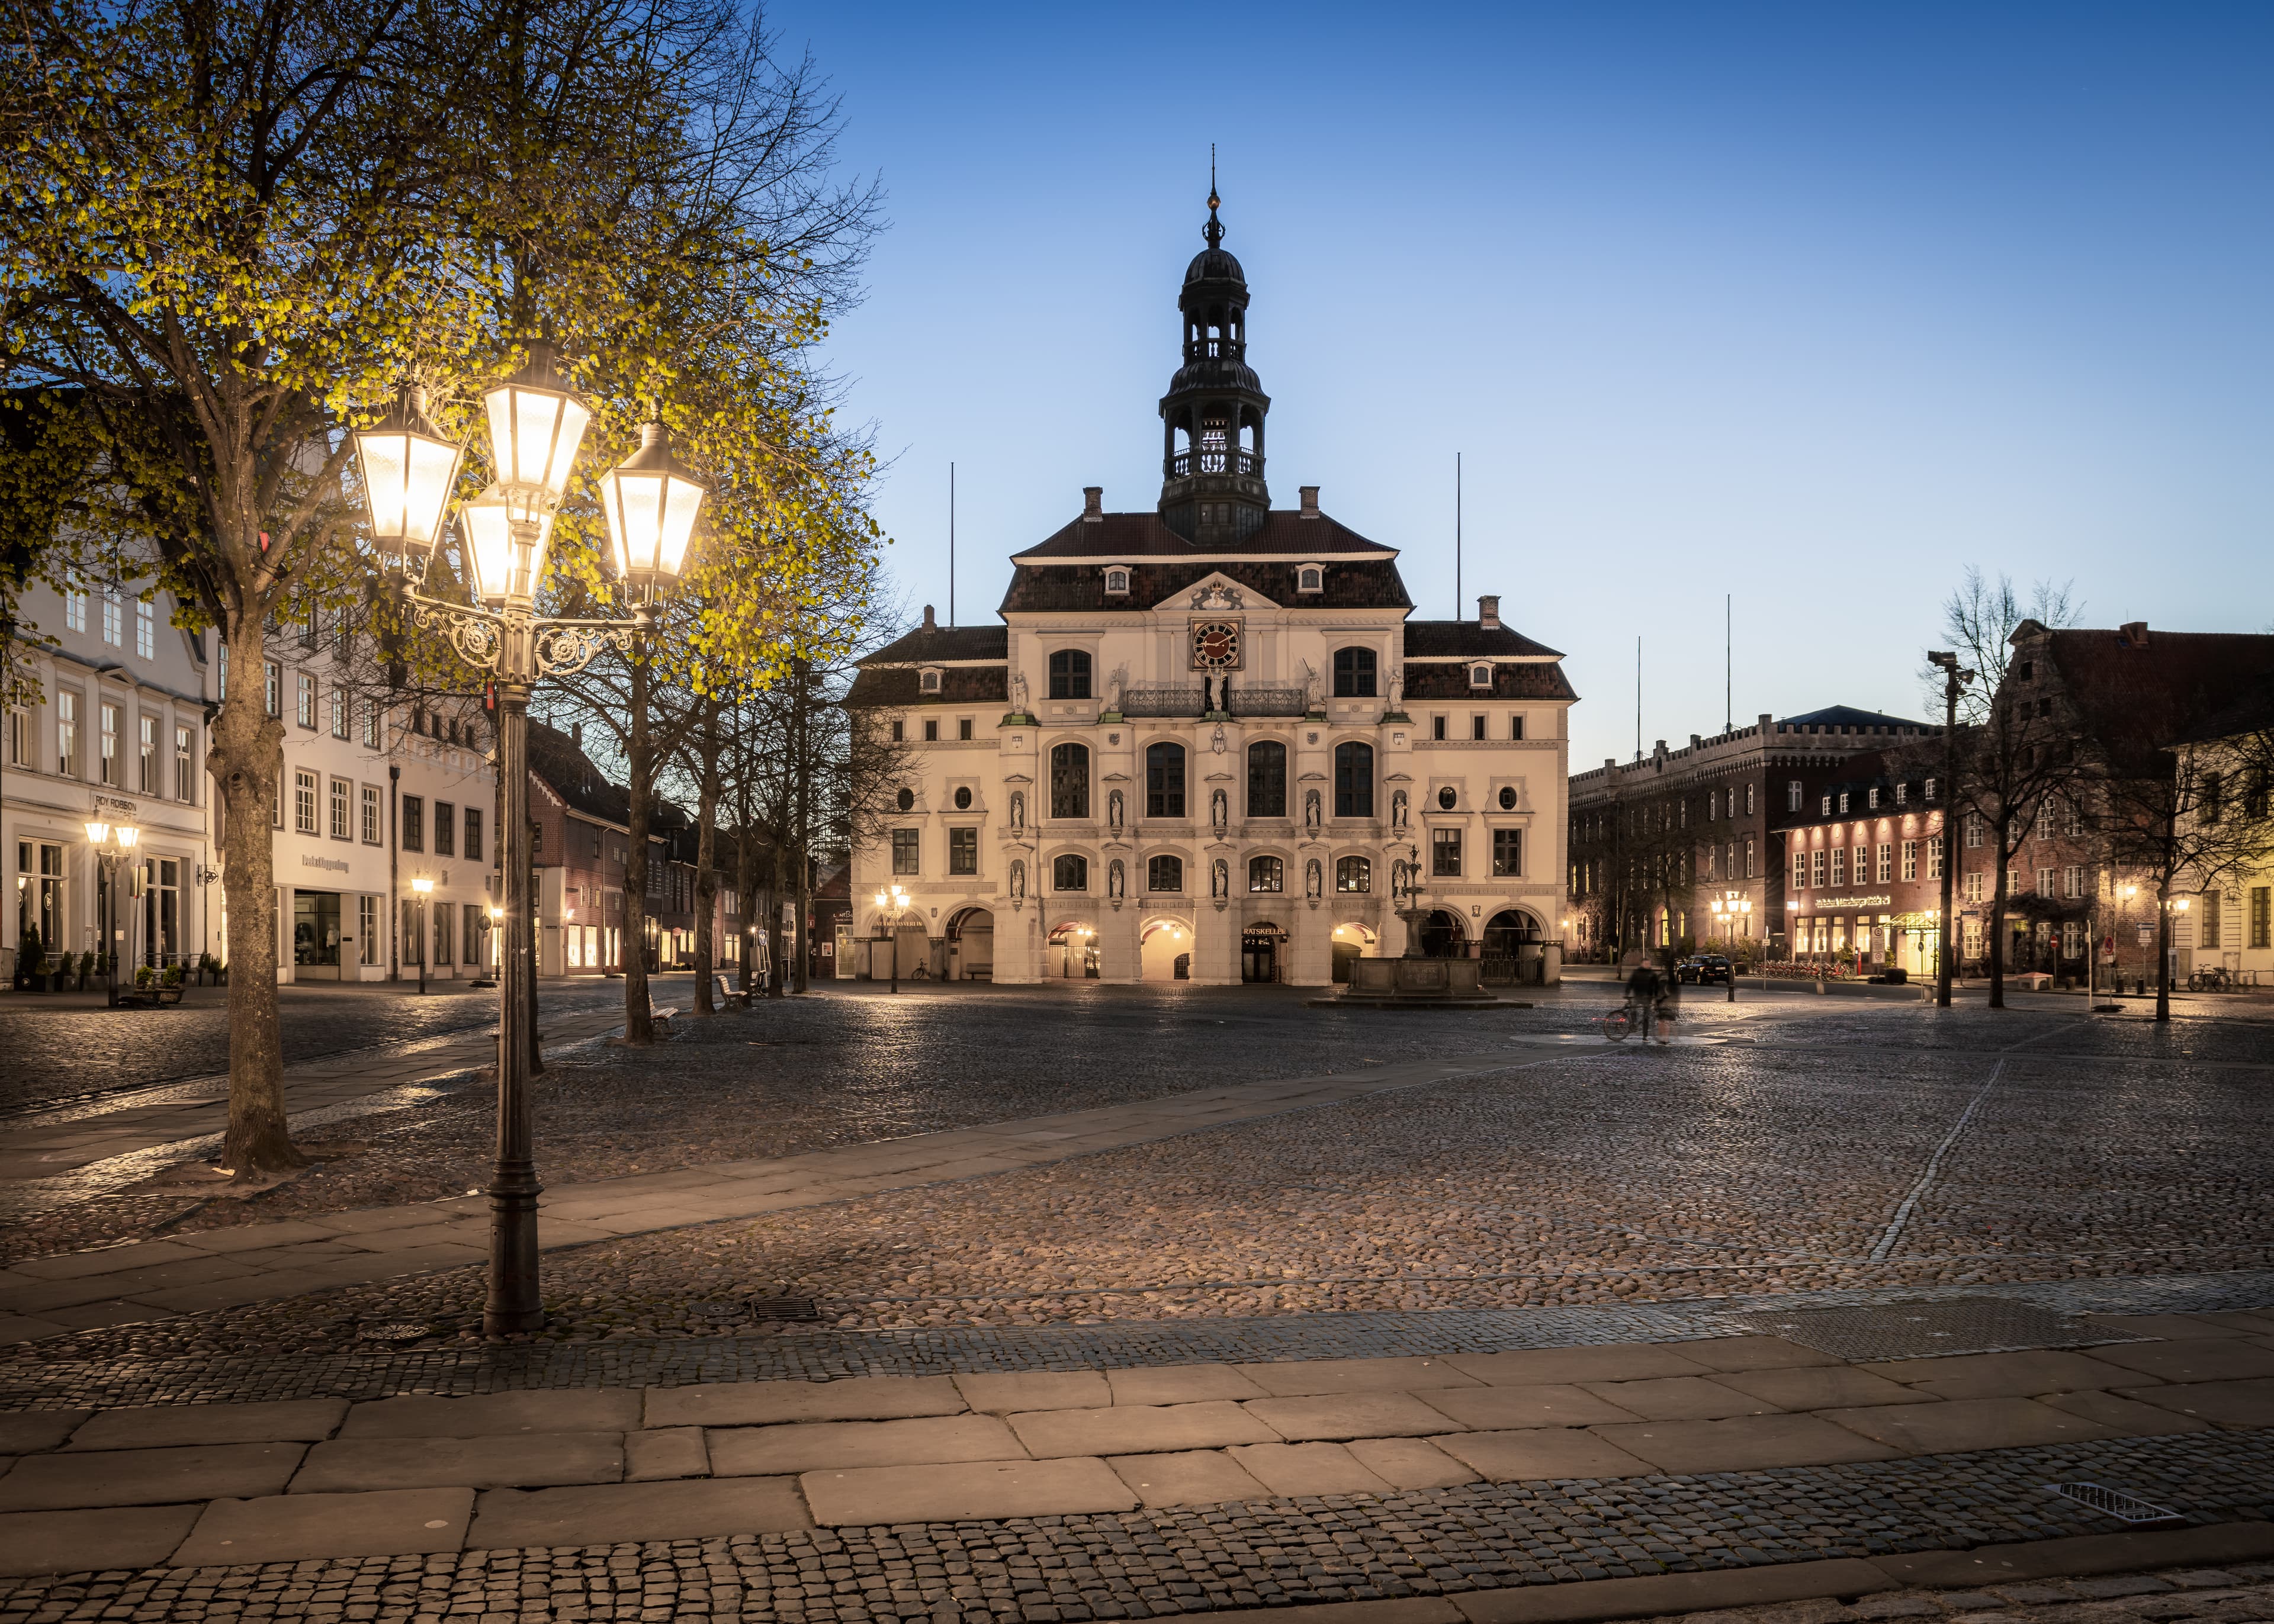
x=1214, y=592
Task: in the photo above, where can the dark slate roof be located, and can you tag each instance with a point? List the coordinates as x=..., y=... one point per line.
x=1469, y=640
x=959, y=685
x=1368, y=584
x=1285, y=534
x=1531, y=680
x=2252, y=712
x=1833, y=719
x=555, y=757
x=939, y=644
x=2136, y=699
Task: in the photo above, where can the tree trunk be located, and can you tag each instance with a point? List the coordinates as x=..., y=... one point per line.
x=746, y=884
x=706, y=878
x=639, y=757
x=2163, y=951
x=247, y=762
x=1998, y=926
x=776, y=938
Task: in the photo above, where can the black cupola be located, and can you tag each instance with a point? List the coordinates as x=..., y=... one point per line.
x=1212, y=487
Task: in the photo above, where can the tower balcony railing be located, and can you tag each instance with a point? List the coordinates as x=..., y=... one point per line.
x=1208, y=460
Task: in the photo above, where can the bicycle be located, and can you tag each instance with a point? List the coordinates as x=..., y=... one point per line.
x=2216, y=979
x=1628, y=1017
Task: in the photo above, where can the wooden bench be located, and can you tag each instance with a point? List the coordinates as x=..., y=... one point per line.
x=660, y=1015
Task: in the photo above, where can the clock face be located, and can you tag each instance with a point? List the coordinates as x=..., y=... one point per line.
x=1216, y=645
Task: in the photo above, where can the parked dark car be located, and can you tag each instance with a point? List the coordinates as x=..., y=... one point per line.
x=1703, y=967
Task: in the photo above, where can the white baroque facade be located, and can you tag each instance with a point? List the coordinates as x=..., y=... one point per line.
x=1210, y=741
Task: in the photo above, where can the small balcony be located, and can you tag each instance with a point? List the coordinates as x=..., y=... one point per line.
x=1214, y=460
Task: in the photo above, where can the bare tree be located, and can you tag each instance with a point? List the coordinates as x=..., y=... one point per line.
x=2014, y=751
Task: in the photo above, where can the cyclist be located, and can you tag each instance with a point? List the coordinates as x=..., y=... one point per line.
x=1645, y=987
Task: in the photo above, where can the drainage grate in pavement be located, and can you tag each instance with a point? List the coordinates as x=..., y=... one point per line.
x=396, y=1331
x=792, y=1308
x=2124, y=1507
x=1923, y=1330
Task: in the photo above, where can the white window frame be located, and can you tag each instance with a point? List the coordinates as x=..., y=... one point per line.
x=1117, y=581
x=373, y=815
x=1481, y=675
x=145, y=629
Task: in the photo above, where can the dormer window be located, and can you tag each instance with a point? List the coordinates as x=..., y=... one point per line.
x=1481, y=675
x=1117, y=579
x=1310, y=578
x=928, y=682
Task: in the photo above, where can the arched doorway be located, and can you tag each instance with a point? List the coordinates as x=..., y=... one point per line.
x=1346, y=946
x=1508, y=930
x=1444, y=936
x=893, y=945
x=1260, y=953
x=1073, y=952
x=1166, y=952
x=971, y=946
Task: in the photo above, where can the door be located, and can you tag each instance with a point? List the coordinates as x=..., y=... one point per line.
x=1259, y=957
x=316, y=936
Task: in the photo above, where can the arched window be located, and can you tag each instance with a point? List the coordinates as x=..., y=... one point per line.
x=1354, y=671
x=1306, y=579
x=1070, y=780
x=1164, y=873
x=929, y=682
x=1481, y=676
x=1354, y=874
x=1069, y=674
x=1117, y=579
x=1164, y=781
x=1266, y=874
x=1069, y=872
x=1266, y=778
x=1353, y=779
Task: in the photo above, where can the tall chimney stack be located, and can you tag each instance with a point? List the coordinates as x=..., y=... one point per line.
x=1488, y=611
x=1093, y=504
x=1310, y=495
x=930, y=624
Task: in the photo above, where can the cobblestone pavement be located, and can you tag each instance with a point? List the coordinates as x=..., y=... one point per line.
x=1858, y=1148
x=53, y=1050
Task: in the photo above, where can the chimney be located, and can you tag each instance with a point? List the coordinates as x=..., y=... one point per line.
x=1488, y=611
x=930, y=623
x=576, y=734
x=2134, y=634
x=1310, y=495
x=1093, y=504
x=1767, y=723
x=1695, y=741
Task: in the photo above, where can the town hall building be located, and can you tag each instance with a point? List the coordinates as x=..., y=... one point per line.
x=1209, y=742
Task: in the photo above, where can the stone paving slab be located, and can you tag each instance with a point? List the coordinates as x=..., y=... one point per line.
x=295, y=1527
x=622, y=1514
x=1554, y=1453
x=2006, y=1375
x=541, y=1459
x=760, y=1404
x=1968, y=1424
x=148, y=1477
x=55, y=1542
x=1501, y=1409
x=153, y=1426
x=1409, y=1462
x=2194, y=1359
x=1336, y=1415
x=1193, y=1478
x=989, y=1490
x=1750, y=1443
x=1614, y=1363
x=666, y=1453
x=493, y=1414
x=2228, y=1403
x=1390, y=1375
x=1308, y=1469
x=812, y=1446
x=1679, y=1398
x=1140, y=1429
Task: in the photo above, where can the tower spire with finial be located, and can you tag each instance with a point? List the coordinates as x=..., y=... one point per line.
x=1214, y=231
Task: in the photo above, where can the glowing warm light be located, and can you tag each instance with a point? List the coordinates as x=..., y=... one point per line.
x=97, y=832
x=422, y=886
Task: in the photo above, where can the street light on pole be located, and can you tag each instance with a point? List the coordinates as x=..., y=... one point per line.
x=113, y=844
x=1953, y=679
x=651, y=503
x=424, y=887
x=887, y=930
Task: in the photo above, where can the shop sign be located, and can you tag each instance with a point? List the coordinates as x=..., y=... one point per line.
x=1851, y=902
x=336, y=864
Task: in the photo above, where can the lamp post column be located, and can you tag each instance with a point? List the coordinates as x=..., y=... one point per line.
x=514, y=1304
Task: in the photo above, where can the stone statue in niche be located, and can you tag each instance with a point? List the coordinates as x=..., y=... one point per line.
x=1018, y=878
x=1019, y=692
x=1018, y=811
x=1113, y=689
x=1220, y=880
x=1311, y=810
x=1219, y=812
x=1401, y=882
x=1113, y=810
x=1315, y=880
x=1310, y=687
x=1397, y=808
x=1397, y=687
x=1116, y=885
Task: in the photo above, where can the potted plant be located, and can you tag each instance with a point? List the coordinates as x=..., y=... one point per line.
x=172, y=976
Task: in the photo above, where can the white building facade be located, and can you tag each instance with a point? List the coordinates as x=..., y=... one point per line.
x=1210, y=741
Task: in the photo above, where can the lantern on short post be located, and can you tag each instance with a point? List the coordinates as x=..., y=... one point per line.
x=408, y=472
x=651, y=501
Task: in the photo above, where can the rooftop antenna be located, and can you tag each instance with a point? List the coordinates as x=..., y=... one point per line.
x=1637, y=699
x=1214, y=231
x=1729, y=661
x=950, y=544
x=1458, y=600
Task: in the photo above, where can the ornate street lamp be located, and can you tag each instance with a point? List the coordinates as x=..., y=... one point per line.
x=537, y=424
x=424, y=887
x=888, y=930
x=113, y=844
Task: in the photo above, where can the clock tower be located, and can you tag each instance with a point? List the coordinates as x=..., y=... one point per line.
x=1212, y=489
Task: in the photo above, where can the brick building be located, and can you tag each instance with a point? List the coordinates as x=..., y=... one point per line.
x=1862, y=862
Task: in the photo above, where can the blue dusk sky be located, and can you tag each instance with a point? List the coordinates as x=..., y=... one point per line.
x=1812, y=305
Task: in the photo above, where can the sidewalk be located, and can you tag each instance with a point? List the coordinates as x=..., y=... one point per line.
x=214, y=1269
x=1723, y=1468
